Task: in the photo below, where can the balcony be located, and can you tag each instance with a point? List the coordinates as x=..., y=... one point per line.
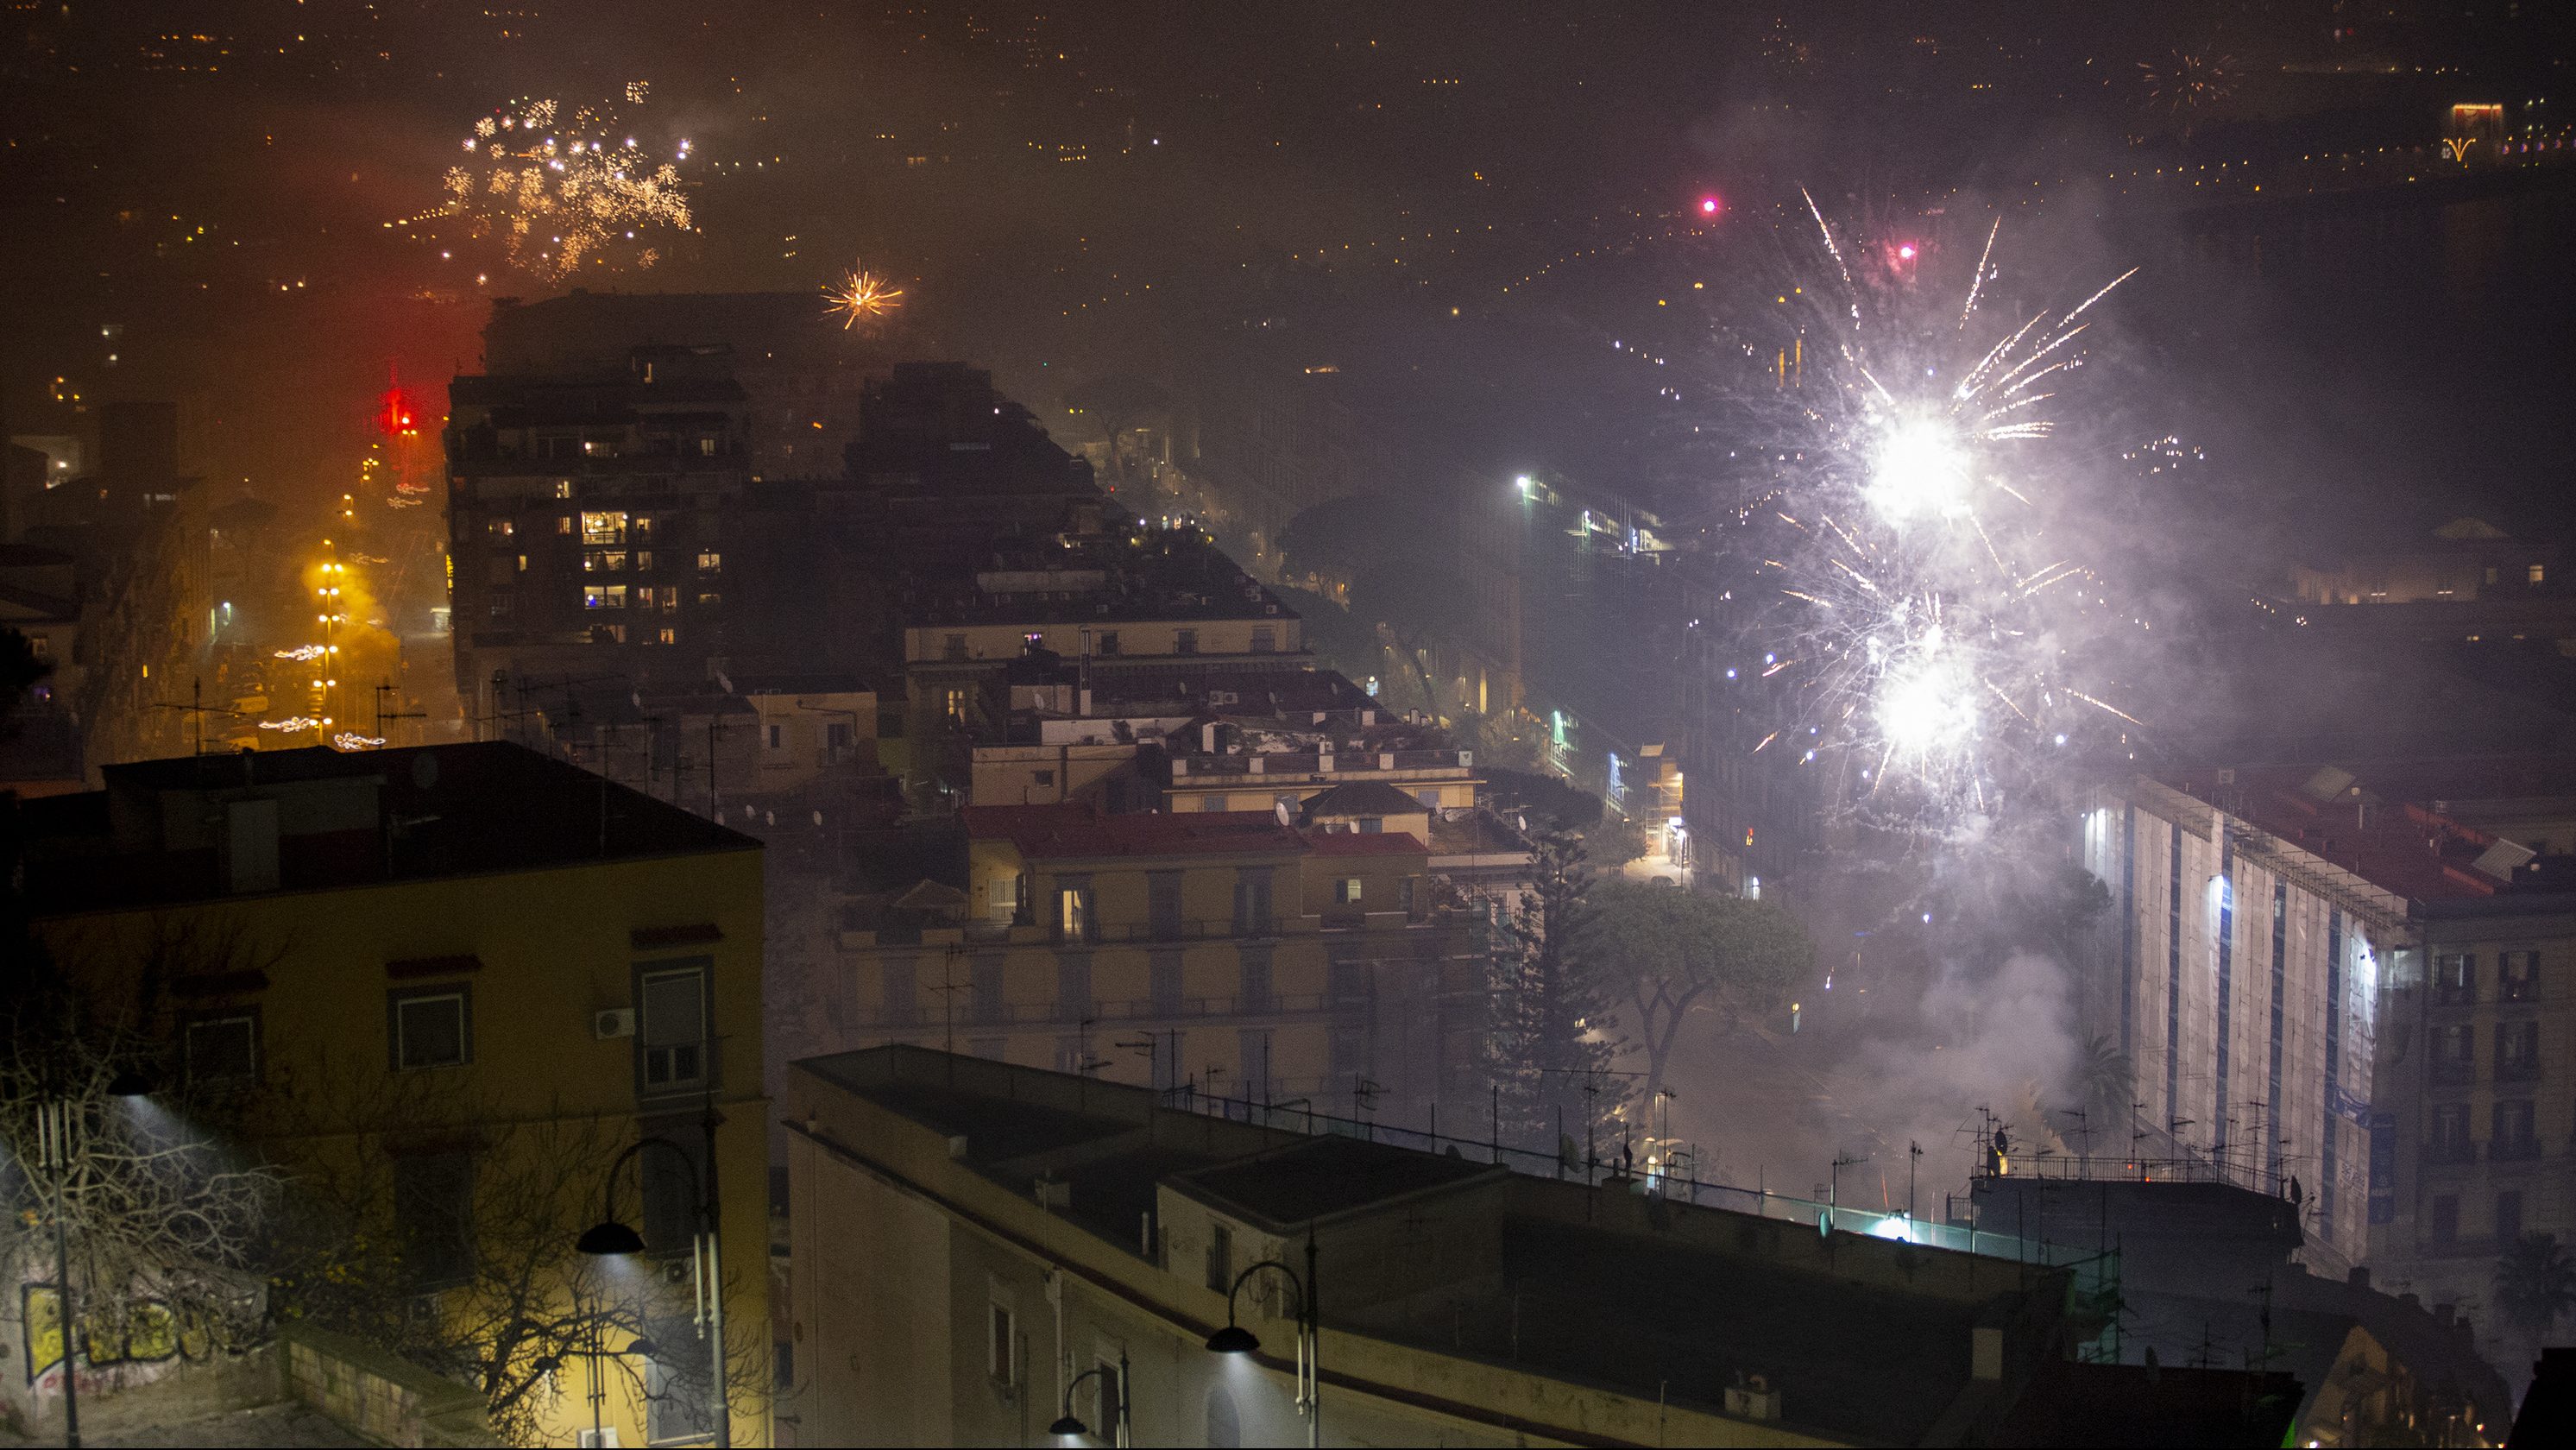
x=2523, y=989
x=2513, y=1150
x=2455, y=994
x=2455, y=1151
x=1347, y=762
x=2452, y=1072
x=2517, y=1072
x=1114, y=1011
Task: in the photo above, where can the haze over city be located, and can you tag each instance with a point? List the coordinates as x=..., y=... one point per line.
x=932, y=723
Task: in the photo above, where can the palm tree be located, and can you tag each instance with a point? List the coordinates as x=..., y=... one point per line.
x=2535, y=1283
x=2101, y=1072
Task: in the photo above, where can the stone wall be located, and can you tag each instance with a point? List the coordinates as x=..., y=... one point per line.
x=386, y=1399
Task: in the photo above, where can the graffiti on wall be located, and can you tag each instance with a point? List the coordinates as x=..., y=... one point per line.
x=147, y=1331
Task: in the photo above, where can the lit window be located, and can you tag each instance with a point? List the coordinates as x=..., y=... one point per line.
x=523, y=563
x=603, y=596
x=563, y=525
x=2536, y=574
x=706, y=447
x=1073, y=913
x=709, y=599
x=670, y=636
x=501, y=528
x=643, y=561
x=563, y=488
x=956, y=704
x=710, y=562
x=603, y=528
x=1346, y=891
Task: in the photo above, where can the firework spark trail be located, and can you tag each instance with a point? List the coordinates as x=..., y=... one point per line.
x=1978, y=283
x=860, y=294
x=561, y=197
x=1917, y=597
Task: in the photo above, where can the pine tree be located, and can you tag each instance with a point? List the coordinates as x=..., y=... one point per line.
x=1551, y=1045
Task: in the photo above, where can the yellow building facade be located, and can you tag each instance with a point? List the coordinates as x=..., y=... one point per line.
x=459, y=1042
x=1224, y=952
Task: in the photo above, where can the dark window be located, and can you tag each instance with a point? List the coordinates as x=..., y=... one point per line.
x=1045, y=777
x=434, y=1215
x=1073, y=986
x=1163, y=980
x=672, y=1181
x=1252, y=901
x=2450, y=1139
x=2445, y=1227
x=1001, y=1346
x=1256, y=979
x=986, y=1005
x=2516, y=1135
x=954, y=647
x=224, y=1048
x=430, y=1026
x=1107, y=642
x=2508, y=1217
x=1185, y=642
x=2517, y=976
x=2455, y=978
x=902, y=1001
x=1220, y=1258
x=1404, y=894
x=2454, y=1053
x=2517, y=1051
x=1163, y=903
x=1264, y=639
x=671, y=1030
x=1372, y=826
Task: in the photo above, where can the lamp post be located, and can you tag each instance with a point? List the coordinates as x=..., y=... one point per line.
x=639, y=1345
x=54, y=1120
x=611, y=1238
x=1068, y=1425
x=1235, y=1339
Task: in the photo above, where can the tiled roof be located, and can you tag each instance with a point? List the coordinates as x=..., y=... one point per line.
x=1060, y=831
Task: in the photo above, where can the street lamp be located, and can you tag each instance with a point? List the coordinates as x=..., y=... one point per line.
x=1068, y=1425
x=54, y=1123
x=1234, y=1339
x=612, y=1238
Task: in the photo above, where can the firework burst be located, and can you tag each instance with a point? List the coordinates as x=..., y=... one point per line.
x=564, y=192
x=1927, y=612
x=858, y=296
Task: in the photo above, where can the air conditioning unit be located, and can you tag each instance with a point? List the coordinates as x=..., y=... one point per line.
x=611, y=1022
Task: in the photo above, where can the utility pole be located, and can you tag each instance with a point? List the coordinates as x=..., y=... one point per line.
x=197, y=710
x=383, y=714
x=1913, y=1158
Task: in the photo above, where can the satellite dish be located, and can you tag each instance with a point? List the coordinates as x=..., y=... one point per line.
x=1281, y=807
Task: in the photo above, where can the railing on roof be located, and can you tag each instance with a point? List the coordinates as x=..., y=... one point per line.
x=1653, y=1182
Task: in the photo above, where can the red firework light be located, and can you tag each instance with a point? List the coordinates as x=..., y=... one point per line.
x=395, y=414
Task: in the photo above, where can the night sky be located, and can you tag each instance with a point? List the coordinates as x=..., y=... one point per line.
x=205, y=192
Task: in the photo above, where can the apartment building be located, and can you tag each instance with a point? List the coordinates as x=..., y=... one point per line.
x=1247, y=956
x=457, y=980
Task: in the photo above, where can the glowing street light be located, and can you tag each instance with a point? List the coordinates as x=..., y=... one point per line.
x=1234, y=1339
x=1069, y=1426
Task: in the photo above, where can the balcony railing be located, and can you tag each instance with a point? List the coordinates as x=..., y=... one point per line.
x=2451, y=1151
x=1104, y=1011
x=2513, y=1150
x=2524, y=989
x=2517, y=1072
x=2455, y=994
x=1339, y=762
x=2452, y=1072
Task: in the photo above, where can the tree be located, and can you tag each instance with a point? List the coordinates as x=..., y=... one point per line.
x=1668, y=952
x=442, y=1229
x=2102, y=1076
x=160, y=1226
x=2535, y=1284
x=1552, y=1046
